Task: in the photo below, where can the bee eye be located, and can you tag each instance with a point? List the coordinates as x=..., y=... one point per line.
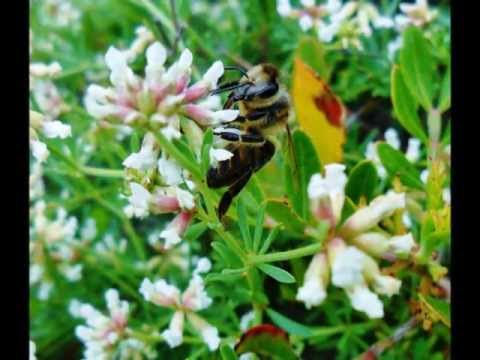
x=269, y=91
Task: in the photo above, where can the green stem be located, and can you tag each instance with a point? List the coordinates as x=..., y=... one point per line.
x=102, y=172
x=286, y=255
x=157, y=14
x=168, y=146
x=434, y=130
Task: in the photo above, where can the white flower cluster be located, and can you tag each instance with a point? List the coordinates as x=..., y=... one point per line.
x=349, y=261
x=57, y=240
x=334, y=20
x=185, y=305
x=346, y=22
x=412, y=153
x=155, y=187
x=106, y=336
x=161, y=97
x=60, y=13
x=51, y=104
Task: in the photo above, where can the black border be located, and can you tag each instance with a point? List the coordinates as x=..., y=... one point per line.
x=15, y=171
x=464, y=183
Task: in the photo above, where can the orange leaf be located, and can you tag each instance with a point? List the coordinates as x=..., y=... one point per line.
x=320, y=112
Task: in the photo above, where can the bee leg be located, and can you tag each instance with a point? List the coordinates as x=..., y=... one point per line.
x=244, y=138
x=222, y=175
x=232, y=191
x=239, y=120
x=263, y=155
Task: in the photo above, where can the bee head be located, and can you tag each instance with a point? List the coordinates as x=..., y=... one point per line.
x=262, y=73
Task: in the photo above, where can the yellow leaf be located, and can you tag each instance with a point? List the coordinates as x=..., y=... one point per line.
x=319, y=112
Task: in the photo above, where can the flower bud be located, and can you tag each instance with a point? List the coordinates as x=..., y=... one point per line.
x=208, y=332
x=174, y=334
x=313, y=291
x=367, y=217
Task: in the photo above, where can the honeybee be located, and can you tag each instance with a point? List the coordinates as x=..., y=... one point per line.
x=264, y=107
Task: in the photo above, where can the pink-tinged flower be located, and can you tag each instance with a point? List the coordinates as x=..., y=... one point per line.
x=160, y=97
x=102, y=333
x=175, y=229
x=193, y=299
x=327, y=193
x=164, y=204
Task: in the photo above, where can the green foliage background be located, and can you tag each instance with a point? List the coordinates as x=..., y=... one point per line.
x=234, y=32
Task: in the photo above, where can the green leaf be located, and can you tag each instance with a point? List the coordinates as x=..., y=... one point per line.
x=243, y=224
x=445, y=92
x=227, y=353
x=227, y=255
x=312, y=53
x=418, y=66
x=348, y=209
x=290, y=326
x=255, y=190
x=267, y=341
x=405, y=106
x=206, y=145
x=438, y=309
x=397, y=164
x=257, y=235
x=362, y=181
x=285, y=215
x=269, y=240
x=224, y=277
x=185, y=150
x=134, y=142
x=277, y=273
x=308, y=164
x=194, y=231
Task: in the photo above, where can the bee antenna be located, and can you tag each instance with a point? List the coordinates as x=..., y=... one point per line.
x=240, y=69
x=227, y=87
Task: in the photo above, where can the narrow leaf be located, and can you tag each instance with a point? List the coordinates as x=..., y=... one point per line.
x=437, y=309
x=206, y=146
x=227, y=255
x=257, y=235
x=418, y=66
x=290, y=326
x=269, y=240
x=277, y=273
x=227, y=353
x=285, y=215
x=445, y=92
x=243, y=224
x=405, y=106
x=308, y=164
